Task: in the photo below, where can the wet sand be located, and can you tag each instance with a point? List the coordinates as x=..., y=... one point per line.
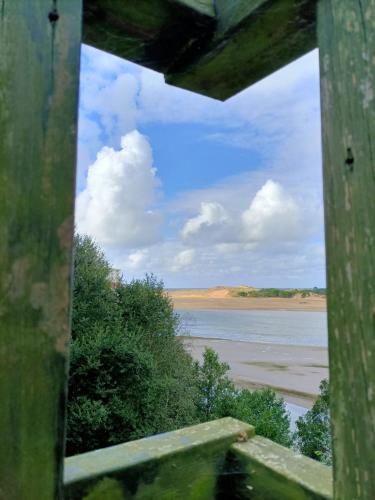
x=294, y=372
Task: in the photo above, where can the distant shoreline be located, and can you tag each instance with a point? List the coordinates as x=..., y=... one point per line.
x=294, y=372
x=227, y=298
x=311, y=304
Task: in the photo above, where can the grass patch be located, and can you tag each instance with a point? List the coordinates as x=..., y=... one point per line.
x=280, y=293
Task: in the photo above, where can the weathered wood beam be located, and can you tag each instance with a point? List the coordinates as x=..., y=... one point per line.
x=185, y=464
x=39, y=76
x=253, y=39
x=265, y=469
x=346, y=33
x=153, y=33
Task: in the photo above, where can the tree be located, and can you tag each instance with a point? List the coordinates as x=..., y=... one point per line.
x=94, y=301
x=218, y=398
x=313, y=435
x=266, y=411
x=216, y=392
x=130, y=376
x=143, y=304
x=109, y=388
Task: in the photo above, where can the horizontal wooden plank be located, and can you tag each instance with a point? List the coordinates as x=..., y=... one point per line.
x=153, y=33
x=203, y=6
x=212, y=49
x=277, y=473
x=180, y=464
x=252, y=40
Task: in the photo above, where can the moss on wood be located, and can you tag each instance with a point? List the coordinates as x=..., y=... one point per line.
x=270, y=471
x=154, y=33
x=253, y=39
x=39, y=72
x=347, y=66
x=181, y=464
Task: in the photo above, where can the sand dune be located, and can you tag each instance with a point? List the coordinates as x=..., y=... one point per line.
x=207, y=293
x=223, y=298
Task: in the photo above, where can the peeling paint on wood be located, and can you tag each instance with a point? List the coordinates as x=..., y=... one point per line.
x=39, y=71
x=346, y=32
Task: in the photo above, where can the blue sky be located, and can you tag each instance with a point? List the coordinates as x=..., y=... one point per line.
x=200, y=192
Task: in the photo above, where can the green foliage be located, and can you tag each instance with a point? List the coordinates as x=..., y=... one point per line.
x=313, y=435
x=277, y=292
x=94, y=302
x=218, y=398
x=129, y=375
x=217, y=394
x=143, y=304
x=108, y=391
x=266, y=411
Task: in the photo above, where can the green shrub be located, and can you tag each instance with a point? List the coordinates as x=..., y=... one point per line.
x=217, y=394
x=94, y=301
x=130, y=376
x=218, y=398
x=313, y=435
x=277, y=292
x=266, y=412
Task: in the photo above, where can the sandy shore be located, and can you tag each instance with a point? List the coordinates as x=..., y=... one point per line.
x=294, y=372
x=221, y=299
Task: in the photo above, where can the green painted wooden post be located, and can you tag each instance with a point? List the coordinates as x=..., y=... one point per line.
x=346, y=33
x=39, y=75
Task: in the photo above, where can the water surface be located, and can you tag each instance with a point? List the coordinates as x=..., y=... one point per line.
x=274, y=327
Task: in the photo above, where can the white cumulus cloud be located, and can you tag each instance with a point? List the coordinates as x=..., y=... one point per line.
x=183, y=259
x=137, y=259
x=115, y=208
x=273, y=215
x=213, y=224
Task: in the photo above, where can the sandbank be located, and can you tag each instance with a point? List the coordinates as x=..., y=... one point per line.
x=221, y=299
x=294, y=372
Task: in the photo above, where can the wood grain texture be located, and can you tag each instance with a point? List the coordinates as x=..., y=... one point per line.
x=183, y=464
x=154, y=33
x=273, y=472
x=253, y=39
x=346, y=32
x=39, y=73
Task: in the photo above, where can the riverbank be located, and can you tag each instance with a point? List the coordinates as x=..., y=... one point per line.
x=292, y=371
x=221, y=299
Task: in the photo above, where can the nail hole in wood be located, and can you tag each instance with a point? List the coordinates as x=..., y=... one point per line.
x=349, y=159
x=53, y=16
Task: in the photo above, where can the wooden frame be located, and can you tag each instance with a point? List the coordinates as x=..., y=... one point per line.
x=39, y=78
x=39, y=72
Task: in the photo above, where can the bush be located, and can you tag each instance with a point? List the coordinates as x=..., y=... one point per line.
x=109, y=391
x=217, y=394
x=266, y=412
x=313, y=435
x=130, y=376
x=218, y=398
x=94, y=301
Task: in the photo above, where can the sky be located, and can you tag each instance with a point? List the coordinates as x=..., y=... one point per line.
x=197, y=191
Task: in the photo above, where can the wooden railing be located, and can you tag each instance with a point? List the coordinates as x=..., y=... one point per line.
x=222, y=459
